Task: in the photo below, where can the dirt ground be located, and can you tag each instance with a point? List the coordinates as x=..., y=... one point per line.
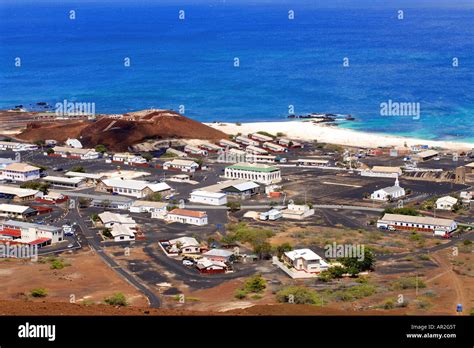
x=86, y=277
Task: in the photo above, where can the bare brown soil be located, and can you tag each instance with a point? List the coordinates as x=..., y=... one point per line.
x=120, y=134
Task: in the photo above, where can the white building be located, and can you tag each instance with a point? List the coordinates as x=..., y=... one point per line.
x=272, y=215
x=21, y=172
x=74, y=143
x=127, y=157
x=446, y=203
x=182, y=165
x=417, y=223
x=391, y=192
x=85, y=154
x=382, y=172
x=289, y=143
x=261, y=158
x=260, y=173
x=184, y=216
x=122, y=226
x=211, y=147
x=16, y=211
x=89, y=178
x=175, y=152
x=297, y=211
x=229, y=144
x=184, y=245
x=109, y=219
x=311, y=162
x=305, y=260
x=15, y=146
x=246, y=141
x=62, y=181
x=19, y=194
x=206, y=197
x=193, y=150
x=148, y=207
x=29, y=233
x=133, y=188
x=260, y=137
x=254, y=150
x=274, y=147
x=122, y=233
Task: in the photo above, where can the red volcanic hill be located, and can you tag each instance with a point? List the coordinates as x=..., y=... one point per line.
x=120, y=134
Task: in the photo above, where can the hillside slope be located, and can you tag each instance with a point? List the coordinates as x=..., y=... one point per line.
x=120, y=134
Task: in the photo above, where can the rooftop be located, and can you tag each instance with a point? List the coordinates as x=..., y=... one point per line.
x=136, y=184
x=21, y=167
x=149, y=204
x=306, y=254
x=386, y=169
x=190, y=213
x=256, y=167
x=13, y=208
x=425, y=220
x=208, y=194
x=84, y=175
x=17, y=191
x=21, y=224
x=72, y=150
x=63, y=180
x=219, y=252
x=447, y=199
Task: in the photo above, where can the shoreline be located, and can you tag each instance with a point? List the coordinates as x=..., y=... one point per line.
x=309, y=131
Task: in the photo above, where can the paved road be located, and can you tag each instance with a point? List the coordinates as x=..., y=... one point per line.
x=191, y=276
x=90, y=236
x=453, y=241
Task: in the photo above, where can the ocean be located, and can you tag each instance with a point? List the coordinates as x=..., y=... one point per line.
x=239, y=62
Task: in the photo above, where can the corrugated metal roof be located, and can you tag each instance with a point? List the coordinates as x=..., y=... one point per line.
x=424, y=220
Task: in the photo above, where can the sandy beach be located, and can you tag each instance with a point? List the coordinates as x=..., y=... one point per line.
x=309, y=131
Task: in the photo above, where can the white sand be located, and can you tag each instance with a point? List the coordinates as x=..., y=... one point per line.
x=309, y=131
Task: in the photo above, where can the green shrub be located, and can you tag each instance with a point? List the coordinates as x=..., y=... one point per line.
x=117, y=299
x=408, y=283
x=355, y=292
x=39, y=292
x=301, y=295
x=57, y=264
x=389, y=304
x=255, y=284
x=240, y=294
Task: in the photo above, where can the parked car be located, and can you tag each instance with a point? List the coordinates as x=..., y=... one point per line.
x=188, y=263
x=70, y=246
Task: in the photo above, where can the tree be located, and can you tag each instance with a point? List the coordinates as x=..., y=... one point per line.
x=255, y=284
x=262, y=249
x=94, y=217
x=39, y=292
x=233, y=206
x=282, y=248
x=154, y=197
x=100, y=148
x=105, y=203
x=117, y=299
x=84, y=202
x=148, y=156
x=50, y=151
x=354, y=266
x=78, y=169
x=36, y=185
x=106, y=232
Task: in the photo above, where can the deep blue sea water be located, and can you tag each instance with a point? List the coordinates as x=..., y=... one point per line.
x=282, y=62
